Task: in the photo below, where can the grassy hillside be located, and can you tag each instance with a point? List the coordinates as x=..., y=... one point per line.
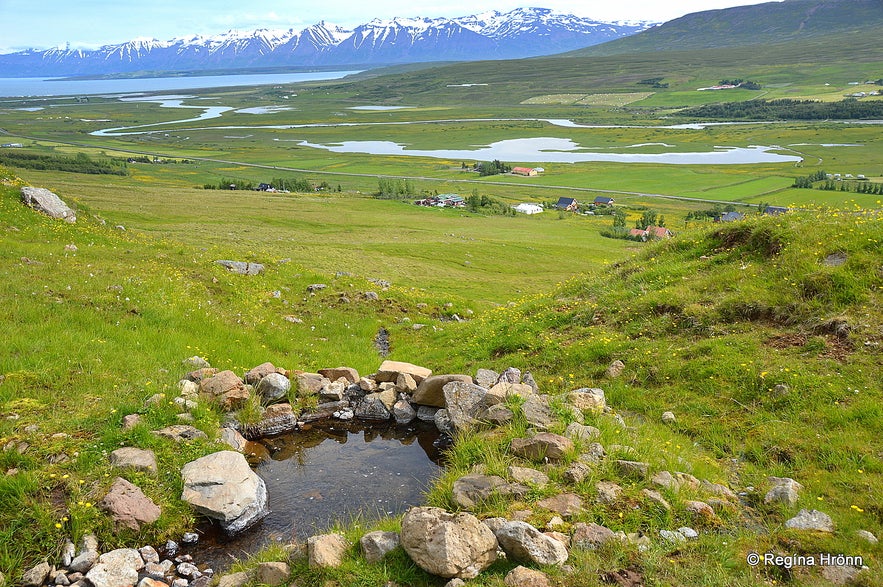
x=709, y=325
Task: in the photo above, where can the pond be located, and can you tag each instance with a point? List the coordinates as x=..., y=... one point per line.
x=333, y=472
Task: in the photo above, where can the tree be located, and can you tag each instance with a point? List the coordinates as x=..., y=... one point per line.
x=648, y=218
x=619, y=219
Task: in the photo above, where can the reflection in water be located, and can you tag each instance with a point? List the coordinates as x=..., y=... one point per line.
x=332, y=472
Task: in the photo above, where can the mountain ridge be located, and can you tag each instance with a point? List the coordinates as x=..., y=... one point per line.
x=520, y=33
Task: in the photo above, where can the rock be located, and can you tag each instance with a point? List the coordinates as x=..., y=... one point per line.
x=389, y=371
x=541, y=446
x=718, y=490
x=128, y=506
x=255, y=374
x=336, y=373
x=486, y=377
x=581, y=432
x=223, y=487
x=594, y=454
x=465, y=403
x=565, y=504
x=326, y=550
x=36, y=576
x=498, y=415
x=314, y=287
x=199, y=374
x=590, y=536
x=332, y=392
x=429, y=392
x=188, y=570
x=148, y=554
x=686, y=480
x=130, y=421
x=241, y=267
x=273, y=387
x=225, y=388
x=136, y=459
x=443, y=422
x=239, y=579
x=426, y=413
x=504, y=390
x=405, y=383
x=195, y=362
x=784, y=490
x=672, y=538
x=158, y=570
x=372, y=407
x=812, y=520
x=537, y=411
x=842, y=575
x=699, y=510
x=510, y=375
x=152, y=582
x=367, y=384
x=781, y=389
x=656, y=498
x=528, y=380
x=615, y=369
x=277, y=419
x=688, y=533
x=181, y=432
x=46, y=202
x=272, y=574
x=68, y=552
x=403, y=412
x=233, y=439
x=448, y=545
x=867, y=536
x=310, y=383
x=523, y=542
x=669, y=418
x=87, y=554
x=117, y=568
x=577, y=472
x=528, y=475
x=608, y=492
x=456, y=582
x=632, y=468
x=376, y=545
x=524, y=577
x=665, y=480
x=469, y=490
x=586, y=398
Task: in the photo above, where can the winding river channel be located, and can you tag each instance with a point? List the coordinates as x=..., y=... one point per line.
x=534, y=149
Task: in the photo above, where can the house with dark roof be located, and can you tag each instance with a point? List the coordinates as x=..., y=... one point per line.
x=730, y=217
x=775, y=210
x=603, y=201
x=569, y=204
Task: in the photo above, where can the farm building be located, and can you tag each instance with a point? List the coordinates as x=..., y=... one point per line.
x=528, y=171
x=603, y=201
x=569, y=204
x=528, y=208
x=443, y=201
x=658, y=232
x=775, y=210
x=641, y=234
x=730, y=217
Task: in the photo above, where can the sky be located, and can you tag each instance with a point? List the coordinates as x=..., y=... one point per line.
x=88, y=24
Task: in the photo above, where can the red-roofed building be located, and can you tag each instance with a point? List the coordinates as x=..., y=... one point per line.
x=528, y=171
x=658, y=232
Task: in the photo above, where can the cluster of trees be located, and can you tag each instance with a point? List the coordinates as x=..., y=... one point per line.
x=395, y=189
x=488, y=205
x=655, y=82
x=649, y=218
x=297, y=184
x=79, y=163
x=714, y=212
x=494, y=167
x=807, y=181
x=849, y=109
x=859, y=187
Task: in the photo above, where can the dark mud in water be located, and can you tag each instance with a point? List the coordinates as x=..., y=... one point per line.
x=334, y=471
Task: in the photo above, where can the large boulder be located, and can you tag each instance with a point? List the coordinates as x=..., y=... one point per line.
x=336, y=373
x=223, y=487
x=326, y=550
x=812, y=520
x=389, y=372
x=241, y=267
x=470, y=490
x=42, y=200
x=429, y=392
x=522, y=542
x=465, y=403
x=543, y=445
x=273, y=387
x=117, y=568
x=128, y=506
x=448, y=545
x=226, y=388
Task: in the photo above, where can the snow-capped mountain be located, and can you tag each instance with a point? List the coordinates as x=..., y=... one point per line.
x=524, y=32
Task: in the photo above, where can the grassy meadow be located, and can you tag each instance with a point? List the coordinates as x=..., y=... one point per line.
x=98, y=315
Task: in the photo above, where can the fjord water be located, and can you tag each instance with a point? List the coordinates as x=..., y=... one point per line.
x=333, y=472
x=18, y=87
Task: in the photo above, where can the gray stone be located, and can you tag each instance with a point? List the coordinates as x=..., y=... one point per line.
x=46, y=202
x=783, y=490
x=665, y=480
x=669, y=418
x=718, y=490
x=699, y=510
x=348, y=373
x=239, y=579
x=448, y=545
x=87, y=554
x=188, y=570
x=528, y=380
x=565, y=504
x=376, y=545
x=372, y=407
x=226, y=388
x=528, y=475
x=842, y=575
x=195, y=362
x=128, y=506
x=68, y=552
x=241, y=267
x=223, y=487
x=688, y=533
x=544, y=445
x=498, y=415
x=608, y=492
x=524, y=577
x=465, y=403
x=583, y=433
x=273, y=387
x=403, y=412
x=486, y=377
x=656, y=498
x=443, y=422
x=233, y=439
x=615, y=369
x=255, y=374
x=37, y=575
x=181, y=433
x=673, y=538
x=537, y=411
x=502, y=391
x=469, y=490
x=405, y=383
x=577, y=472
x=326, y=550
x=152, y=582
x=332, y=392
x=430, y=391
x=157, y=569
x=117, y=568
x=590, y=536
x=522, y=542
x=426, y=413
x=867, y=536
x=812, y=520
x=136, y=459
x=389, y=371
x=510, y=375
x=310, y=383
x=632, y=468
